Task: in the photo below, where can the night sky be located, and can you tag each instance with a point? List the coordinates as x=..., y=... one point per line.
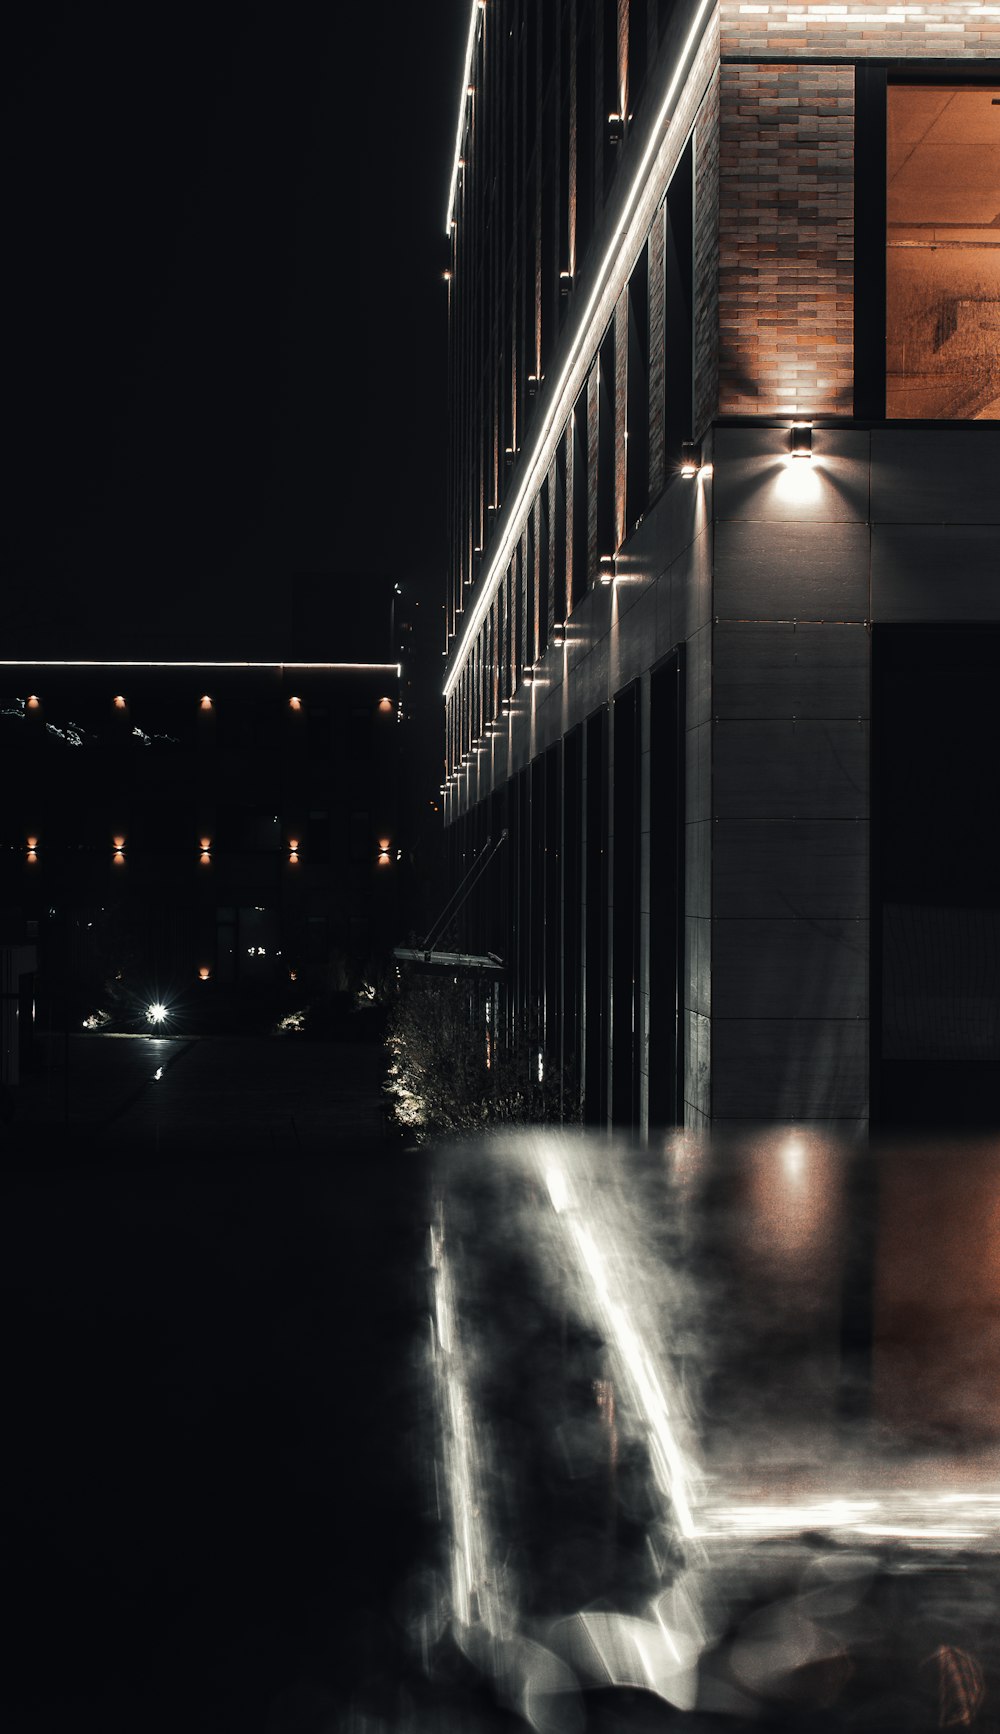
x=227, y=341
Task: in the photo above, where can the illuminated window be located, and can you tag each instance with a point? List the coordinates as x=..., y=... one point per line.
x=943, y=252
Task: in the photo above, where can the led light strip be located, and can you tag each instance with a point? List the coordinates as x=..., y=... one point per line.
x=87, y=662
x=619, y=251
x=478, y=7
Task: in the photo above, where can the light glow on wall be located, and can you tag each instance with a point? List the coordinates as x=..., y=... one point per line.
x=609, y=280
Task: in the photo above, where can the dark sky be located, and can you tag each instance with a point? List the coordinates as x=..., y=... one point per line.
x=224, y=234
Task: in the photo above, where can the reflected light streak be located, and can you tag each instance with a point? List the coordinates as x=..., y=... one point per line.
x=647, y=1384
x=475, y=1599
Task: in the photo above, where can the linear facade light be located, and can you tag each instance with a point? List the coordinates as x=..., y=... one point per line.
x=609, y=280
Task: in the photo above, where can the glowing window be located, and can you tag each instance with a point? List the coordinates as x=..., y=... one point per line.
x=943, y=252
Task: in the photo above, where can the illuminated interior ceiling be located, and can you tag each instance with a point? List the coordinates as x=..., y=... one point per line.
x=943, y=259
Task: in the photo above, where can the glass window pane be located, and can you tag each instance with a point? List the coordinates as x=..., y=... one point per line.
x=943, y=252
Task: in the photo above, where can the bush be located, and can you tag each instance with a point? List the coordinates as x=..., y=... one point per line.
x=450, y=1071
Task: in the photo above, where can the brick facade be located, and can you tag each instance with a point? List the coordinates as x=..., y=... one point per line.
x=786, y=240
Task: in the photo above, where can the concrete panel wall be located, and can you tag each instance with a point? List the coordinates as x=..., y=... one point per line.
x=790, y=703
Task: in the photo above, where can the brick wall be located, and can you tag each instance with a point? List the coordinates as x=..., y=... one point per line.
x=706, y=259
x=786, y=240
x=960, y=28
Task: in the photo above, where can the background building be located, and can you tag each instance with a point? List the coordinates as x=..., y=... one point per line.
x=723, y=623
x=218, y=835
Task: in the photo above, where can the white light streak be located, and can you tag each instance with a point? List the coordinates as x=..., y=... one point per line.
x=674, y=1467
x=116, y=662
x=610, y=278
x=468, y=91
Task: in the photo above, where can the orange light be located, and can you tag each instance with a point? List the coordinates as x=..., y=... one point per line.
x=205, y=858
x=204, y=973
x=119, y=857
x=384, y=858
x=119, y=701
x=32, y=702
x=206, y=703
x=293, y=857
x=295, y=704
x=32, y=847
x=385, y=704
x=119, y=842
x=383, y=842
x=32, y=842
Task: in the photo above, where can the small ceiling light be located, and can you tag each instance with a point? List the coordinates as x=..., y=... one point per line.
x=607, y=568
x=206, y=702
x=801, y=442
x=119, y=701
x=690, y=458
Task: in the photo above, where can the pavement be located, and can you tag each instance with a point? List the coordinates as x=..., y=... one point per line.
x=215, y=1477
x=269, y=1095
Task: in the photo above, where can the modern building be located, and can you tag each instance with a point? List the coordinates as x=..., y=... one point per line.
x=723, y=625
x=199, y=833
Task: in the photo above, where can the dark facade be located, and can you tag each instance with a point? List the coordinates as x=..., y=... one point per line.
x=199, y=833
x=724, y=613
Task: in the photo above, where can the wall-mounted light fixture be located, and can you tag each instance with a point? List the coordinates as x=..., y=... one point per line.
x=204, y=973
x=205, y=858
x=206, y=702
x=385, y=704
x=690, y=458
x=32, y=849
x=801, y=439
x=607, y=568
x=295, y=703
x=118, y=857
x=293, y=850
x=119, y=701
x=384, y=857
x=33, y=701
